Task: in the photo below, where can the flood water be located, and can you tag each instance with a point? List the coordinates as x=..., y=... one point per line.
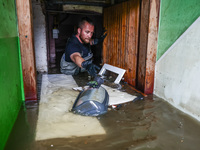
x=147, y=124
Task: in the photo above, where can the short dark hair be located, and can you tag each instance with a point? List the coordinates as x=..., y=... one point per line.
x=83, y=20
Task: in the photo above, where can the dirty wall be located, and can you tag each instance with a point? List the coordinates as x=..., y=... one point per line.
x=11, y=85
x=178, y=53
x=39, y=28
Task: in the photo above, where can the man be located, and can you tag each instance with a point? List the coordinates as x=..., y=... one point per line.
x=78, y=56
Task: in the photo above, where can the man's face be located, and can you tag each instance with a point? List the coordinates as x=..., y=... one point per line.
x=86, y=32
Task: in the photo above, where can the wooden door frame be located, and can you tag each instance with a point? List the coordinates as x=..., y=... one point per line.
x=25, y=28
x=147, y=50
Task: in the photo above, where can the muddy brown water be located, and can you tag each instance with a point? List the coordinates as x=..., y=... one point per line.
x=148, y=124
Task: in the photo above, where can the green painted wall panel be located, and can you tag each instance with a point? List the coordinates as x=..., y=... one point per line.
x=11, y=85
x=8, y=21
x=175, y=17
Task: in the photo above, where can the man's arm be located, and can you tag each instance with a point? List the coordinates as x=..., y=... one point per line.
x=100, y=39
x=88, y=65
x=77, y=59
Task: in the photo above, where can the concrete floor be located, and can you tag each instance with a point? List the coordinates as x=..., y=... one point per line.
x=150, y=123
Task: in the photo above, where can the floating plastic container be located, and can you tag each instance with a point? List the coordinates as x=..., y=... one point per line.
x=91, y=102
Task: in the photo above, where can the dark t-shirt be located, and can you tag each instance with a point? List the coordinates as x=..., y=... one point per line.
x=74, y=45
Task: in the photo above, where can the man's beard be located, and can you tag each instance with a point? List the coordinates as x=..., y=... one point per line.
x=83, y=40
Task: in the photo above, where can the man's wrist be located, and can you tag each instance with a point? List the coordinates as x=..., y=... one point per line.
x=85, y=64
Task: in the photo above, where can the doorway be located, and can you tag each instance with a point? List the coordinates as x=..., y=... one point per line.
x=65, y=24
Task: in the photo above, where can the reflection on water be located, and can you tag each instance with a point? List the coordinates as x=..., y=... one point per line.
x=150, y=123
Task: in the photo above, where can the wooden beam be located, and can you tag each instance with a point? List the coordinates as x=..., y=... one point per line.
x=24, y=14
x=70, y=7
x=148, y=45
x=144, y=23
x=152, y=45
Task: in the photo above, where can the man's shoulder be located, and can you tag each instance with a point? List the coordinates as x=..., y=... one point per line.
x=73, y=45
x=73, y=40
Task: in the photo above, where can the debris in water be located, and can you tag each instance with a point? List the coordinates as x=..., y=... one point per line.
x=117, y=106
x=138, y=98
x=78, y=89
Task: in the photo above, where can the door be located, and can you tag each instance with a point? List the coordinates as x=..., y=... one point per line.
x=131, y=43
x=120, y=48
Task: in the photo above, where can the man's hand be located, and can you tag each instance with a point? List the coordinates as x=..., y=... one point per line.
x=96, y=83
x=90, y=67
x=101, y=38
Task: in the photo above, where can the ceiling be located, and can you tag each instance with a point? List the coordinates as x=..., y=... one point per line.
x=79, y=2
x=57, y=5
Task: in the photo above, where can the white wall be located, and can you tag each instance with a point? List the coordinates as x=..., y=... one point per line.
x=39, y=37
x=177, y=78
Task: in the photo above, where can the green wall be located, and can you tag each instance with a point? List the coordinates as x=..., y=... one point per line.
x=175, y=17
x=11, y=85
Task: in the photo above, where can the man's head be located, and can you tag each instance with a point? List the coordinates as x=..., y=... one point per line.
x=85, y=29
